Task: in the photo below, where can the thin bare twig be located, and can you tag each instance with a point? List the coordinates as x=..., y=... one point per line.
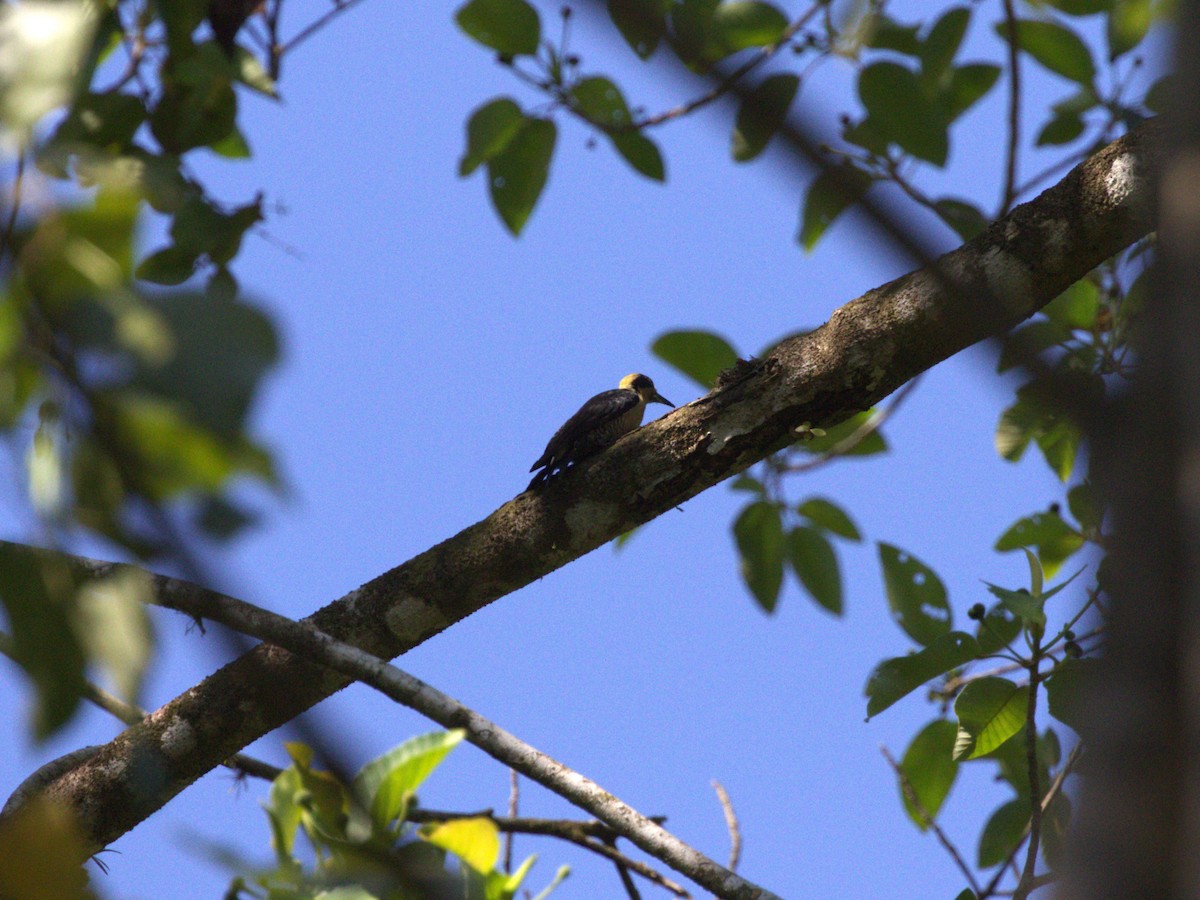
x=1014, y=110
x=731, y=823
x=726, y=84
x=911, y=795
x=514, y=796
x=339, y=7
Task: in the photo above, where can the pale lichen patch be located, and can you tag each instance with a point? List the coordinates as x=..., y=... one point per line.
x=178, y=738
x=591, y=521
x=1055, y=237
x=411, y=619
x=1007, y=278
x=1121, y=179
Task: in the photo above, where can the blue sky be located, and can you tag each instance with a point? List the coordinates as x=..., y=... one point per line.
x=428, y=357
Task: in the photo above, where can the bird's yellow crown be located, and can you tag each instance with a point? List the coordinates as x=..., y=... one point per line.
x=639, y=383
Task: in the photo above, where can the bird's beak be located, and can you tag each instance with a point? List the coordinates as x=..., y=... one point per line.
x=659, y=398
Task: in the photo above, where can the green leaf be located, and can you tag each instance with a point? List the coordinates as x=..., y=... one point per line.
x=476, y=841
x=1026, y=343
x=169, y=266
x=964, y=217
x=1021, y=603
x=738, y=24
x=1128, y=23
x=966, y=894
x=943, y=41
x=1055, y=434
x=602, y=102
x=643, y=23
x=112, y=621
x=1076, y=307
x=990, y=710
x=748, y=483
x=997, y=630
x=641, y=153
x=1037, y=576
x=1059, y=130
x=885, y=33
x=181, y=18
x=251, y=73
x=387, y=783
x=1059, y=49
x=894, y=678
x=172, y=454
x=232, y=146
x=1085, y=506
x=915, y=595
x=968, y=85
x=816, y=565
x=761, y=113
x=517, y=175
x=1069, y=690
x=489, y=130
x=198, y=106
x=1158, y=95
x=759, y=535
x=37, y=595
x=900, y=110
x=701, y=355
x=101, y=120
x=1080, y=7
x=828, y=515
x=1003, y=831
x=1056, y=824
x=829, y=195
x=1055, y=540
x=692, y=28
x=221, y=350
x=511, y=27
x=929, y=770
x=834, y=435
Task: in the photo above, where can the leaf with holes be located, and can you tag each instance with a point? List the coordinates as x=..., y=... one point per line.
x=915, y=594
x=1055, y=540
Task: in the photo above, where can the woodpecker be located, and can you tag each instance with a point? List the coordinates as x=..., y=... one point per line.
x=599, y=422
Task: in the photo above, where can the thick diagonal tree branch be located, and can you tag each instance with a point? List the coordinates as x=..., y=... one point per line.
x=869, y=348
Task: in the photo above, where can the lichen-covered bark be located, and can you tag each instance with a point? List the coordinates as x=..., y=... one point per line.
x=870, y=347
